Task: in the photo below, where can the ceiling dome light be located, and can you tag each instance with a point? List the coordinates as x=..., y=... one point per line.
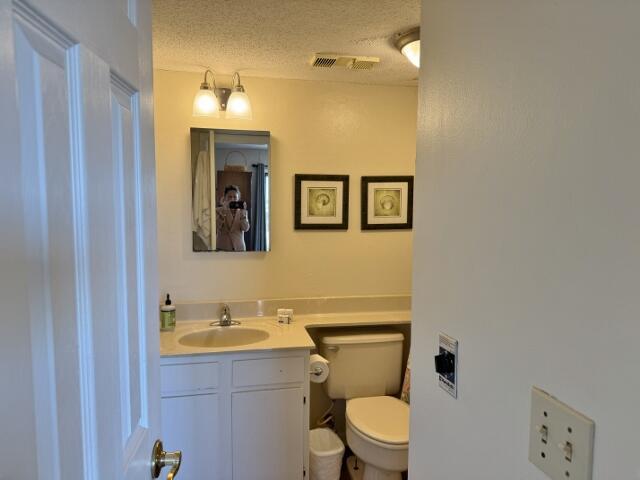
x=205, y=103
x=409, y=44
x=239, y=105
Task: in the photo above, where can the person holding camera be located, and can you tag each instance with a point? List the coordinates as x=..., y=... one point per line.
x=231, y=221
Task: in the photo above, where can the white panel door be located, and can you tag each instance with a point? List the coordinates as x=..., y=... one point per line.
x=79, y=349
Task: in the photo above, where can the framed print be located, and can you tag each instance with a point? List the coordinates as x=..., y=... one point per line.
x=321, y=202
x=387, y=203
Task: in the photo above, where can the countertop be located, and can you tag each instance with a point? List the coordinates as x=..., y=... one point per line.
x=281, y=336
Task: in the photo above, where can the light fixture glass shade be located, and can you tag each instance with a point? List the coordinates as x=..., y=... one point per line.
x=409, y=44
x=239, y=106
x=412, y=51
x=205, y=103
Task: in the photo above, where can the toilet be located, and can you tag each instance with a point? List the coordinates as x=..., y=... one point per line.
x=365, y=369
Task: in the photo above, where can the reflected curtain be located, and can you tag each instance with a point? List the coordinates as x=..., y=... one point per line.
x=259, y=215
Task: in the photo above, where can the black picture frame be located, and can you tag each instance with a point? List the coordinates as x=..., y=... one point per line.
x=364, y=190
x=344, y=205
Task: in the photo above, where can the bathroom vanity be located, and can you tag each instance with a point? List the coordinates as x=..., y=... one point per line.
x=241, y=411
x=238, y=415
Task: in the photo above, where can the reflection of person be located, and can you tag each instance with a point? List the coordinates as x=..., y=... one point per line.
x=231, y=222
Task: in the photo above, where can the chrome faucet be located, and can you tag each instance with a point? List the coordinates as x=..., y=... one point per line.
x=225, y=318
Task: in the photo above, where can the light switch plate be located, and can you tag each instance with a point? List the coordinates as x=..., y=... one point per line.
x=449, y=382
x=560, y=438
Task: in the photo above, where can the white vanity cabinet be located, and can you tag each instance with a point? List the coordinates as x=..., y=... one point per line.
x=238, y=416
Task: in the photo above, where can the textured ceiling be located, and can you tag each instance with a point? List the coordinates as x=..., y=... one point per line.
x=276, y=38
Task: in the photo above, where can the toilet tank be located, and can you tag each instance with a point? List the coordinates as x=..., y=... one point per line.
x=362, y=364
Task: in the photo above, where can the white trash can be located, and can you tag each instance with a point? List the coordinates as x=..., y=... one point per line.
x=325, y=454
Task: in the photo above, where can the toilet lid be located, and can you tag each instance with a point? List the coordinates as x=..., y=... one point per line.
x=385, y=419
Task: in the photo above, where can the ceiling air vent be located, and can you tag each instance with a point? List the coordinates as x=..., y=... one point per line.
x=364, y=63
x=323, y=61
x=352, y=62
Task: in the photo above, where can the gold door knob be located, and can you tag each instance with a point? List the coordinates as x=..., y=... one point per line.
x=161, y=459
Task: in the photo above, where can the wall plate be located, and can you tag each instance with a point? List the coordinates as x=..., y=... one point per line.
x=448, y=381
x=560, y=438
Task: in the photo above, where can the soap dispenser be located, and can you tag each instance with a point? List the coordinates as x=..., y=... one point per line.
x=167, y=315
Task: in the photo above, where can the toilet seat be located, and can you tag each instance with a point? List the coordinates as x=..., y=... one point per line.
x=384, y=420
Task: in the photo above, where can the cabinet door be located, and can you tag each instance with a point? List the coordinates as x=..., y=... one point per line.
x=267, y=430
x=192, y=424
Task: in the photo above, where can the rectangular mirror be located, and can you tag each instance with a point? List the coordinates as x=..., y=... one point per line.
x=230, y=190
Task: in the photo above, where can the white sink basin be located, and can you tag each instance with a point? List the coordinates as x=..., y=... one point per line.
x=223, y=337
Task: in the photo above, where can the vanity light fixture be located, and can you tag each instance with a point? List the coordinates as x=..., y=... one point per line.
x=211, y=100
x=205, y=103
x=409, y=44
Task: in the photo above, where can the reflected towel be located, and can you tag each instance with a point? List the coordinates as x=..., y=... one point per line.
x=201, y=223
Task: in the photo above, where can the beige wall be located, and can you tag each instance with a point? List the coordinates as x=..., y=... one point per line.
x=529, y=230
x=316, y=127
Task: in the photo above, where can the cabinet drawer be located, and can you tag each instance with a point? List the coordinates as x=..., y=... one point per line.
x=186, y=377
x=247, y=373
